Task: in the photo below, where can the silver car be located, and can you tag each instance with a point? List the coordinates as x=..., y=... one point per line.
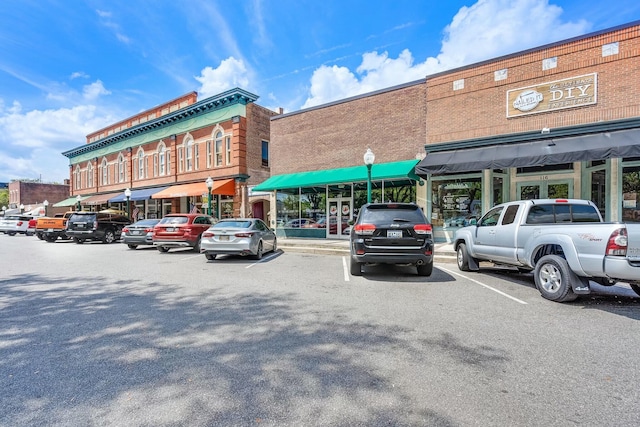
x=238, y=236
x=139, y=233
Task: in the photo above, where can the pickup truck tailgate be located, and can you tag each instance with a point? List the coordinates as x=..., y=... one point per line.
x=633, y=248
x=626, y=269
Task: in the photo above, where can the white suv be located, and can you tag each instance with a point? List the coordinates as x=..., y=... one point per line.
x=16, y=224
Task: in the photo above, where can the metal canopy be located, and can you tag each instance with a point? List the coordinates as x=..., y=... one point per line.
x=548, y=151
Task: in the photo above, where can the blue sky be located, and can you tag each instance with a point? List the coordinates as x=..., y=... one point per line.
x=70, y=67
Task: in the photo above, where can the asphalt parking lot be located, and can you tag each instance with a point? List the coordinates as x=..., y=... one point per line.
x=98, y=334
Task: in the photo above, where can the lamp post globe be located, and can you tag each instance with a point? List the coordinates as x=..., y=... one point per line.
x=369, y=158
x=21, y=208
x=127, y=194
x=209, y=183
x=46, y=205
x=79, y=199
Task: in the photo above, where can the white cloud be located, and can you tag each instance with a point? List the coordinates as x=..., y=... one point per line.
x=230, y=74
x=78, y=75
x=37, y=139
x=488, y=29
x=92, y=91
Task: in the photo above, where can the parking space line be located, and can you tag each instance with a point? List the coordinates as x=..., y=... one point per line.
x=344, y=269
x=267, y=258
x=483, y=285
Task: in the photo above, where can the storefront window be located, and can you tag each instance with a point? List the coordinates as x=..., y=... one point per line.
x=287, y=207
x=226, y=207
x=631, y=194
x=455, y=201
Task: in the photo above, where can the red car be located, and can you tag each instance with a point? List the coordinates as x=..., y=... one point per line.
x=181, y=231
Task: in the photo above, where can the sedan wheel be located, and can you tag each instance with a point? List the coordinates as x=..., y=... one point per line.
x=132, y=246
x=258, y=254
x=163, y=249
x=210, y=257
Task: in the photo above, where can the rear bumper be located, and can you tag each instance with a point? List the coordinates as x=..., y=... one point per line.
x=620, y=269
x=391, y=254
x=226, y=249
x=174, y=244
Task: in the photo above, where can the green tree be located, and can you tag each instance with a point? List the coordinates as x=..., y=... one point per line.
x=4, y=198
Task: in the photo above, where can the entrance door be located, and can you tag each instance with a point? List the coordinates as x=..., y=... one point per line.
x=559, y=189
x=339, y=212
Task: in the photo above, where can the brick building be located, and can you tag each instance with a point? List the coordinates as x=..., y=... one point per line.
x=32, y=196
x=560, y=120
x=163, y=157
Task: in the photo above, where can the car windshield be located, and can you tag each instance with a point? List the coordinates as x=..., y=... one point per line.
x=146, y=222
x=233, y=224
x=174, y=220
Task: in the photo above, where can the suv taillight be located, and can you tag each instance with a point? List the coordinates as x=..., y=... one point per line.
x=125, y=230
x=95, y=225
x=617, y=244
x=367, y=229
x=422, y=228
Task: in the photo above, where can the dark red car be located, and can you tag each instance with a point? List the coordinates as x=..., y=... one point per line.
x=181, y=231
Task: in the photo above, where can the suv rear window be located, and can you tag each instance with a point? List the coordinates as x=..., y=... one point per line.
x=383, y=213
x=174, y=220
x=82, y=217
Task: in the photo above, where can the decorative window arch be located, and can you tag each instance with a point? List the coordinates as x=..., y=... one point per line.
x=121, y=168
x=89, y=174
x=104, y=175
x=141, y=164
x=78, y=178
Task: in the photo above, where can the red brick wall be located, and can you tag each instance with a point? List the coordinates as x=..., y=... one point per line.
x=479, y=110
x=390, y=122
x=258, y=129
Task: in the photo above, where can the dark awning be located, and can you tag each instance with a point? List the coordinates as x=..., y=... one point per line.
x=98, y=199
x=549, y=151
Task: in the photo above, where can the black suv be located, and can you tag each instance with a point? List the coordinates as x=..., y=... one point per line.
x=391, y=233
x=106, y=227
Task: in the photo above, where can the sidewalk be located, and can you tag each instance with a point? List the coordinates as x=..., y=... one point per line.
x=443, y=251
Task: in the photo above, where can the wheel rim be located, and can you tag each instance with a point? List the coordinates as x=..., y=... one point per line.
x=550, y=278
x=460, y=257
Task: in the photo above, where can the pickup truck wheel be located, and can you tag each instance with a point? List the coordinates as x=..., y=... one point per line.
x=355, y=268
x=78, y=241
x=39, y=236
x=636, y=289
x=50, y=239
x=425, y=269
x=109, y=236
x=554, y=279
x=462, y=257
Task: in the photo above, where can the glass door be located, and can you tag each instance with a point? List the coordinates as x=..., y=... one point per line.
x=339, y=213
x=557, y=189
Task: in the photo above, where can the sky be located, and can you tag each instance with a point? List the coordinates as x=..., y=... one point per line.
x=71, y=67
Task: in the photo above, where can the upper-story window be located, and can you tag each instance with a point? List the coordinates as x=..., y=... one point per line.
x=121, y=168
x=78, y=178
x=162, y=149
x=141, y=164
x=105, y=173
x=180, y=159
x=89, y=175
x=189, y=155
x=265, y=153
x=209, y=153
x=227, y=142
x=218, y=148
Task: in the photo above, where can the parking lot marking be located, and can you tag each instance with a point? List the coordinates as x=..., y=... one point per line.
x=267, y=258
x=482, y=284
x=344, y=269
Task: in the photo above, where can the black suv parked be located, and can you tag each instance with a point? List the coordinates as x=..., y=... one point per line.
x=106, y=227
x=391, y=233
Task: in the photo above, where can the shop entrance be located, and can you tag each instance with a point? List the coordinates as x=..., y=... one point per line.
x=339, y=212
x=545, y=189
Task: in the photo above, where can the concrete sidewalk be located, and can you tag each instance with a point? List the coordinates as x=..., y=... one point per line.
x=443, y=251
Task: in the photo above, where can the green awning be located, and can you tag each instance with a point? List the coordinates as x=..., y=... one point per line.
x=68, y=202
x=379, y=172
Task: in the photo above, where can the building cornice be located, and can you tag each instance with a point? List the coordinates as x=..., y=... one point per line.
x=208, y=105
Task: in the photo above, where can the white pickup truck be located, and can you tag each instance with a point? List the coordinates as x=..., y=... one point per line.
x=564, y=241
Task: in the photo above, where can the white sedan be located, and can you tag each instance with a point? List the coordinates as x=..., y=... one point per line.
x=17, y=224
x=238, y=236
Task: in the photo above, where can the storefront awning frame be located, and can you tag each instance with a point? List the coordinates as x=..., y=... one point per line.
x=379, y=172
x=224, y=187
x=71, y=201
x=547, y=151
x=98, y=199
x=137, y=195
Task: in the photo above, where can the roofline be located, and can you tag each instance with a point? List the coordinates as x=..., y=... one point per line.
x=555, y=133
x=352, y=98
x=534, y=49
x=229, y=97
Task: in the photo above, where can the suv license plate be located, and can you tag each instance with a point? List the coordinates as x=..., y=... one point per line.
x=394, y=233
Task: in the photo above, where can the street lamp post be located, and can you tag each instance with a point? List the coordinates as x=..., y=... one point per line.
x=209, y=183
x=46, y=205
x=369, y=158
x=4, y=211
x=127, y=194
x=79, y=199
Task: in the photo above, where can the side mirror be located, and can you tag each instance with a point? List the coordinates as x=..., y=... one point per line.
x=473, y=221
